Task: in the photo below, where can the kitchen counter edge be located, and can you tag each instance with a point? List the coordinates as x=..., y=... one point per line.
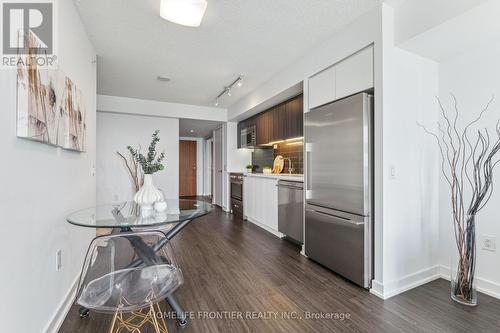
x=296, y=178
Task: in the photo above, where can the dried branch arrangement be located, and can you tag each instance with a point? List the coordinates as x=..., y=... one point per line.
x=134, y=170
x=467, y=163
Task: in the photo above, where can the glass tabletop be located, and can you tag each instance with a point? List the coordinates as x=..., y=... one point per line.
x=128, y=214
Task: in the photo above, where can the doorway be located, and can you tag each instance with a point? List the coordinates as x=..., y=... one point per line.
x=187, y=168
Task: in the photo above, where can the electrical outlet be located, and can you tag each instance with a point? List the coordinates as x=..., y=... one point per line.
x=58, y=260
x=489, y=243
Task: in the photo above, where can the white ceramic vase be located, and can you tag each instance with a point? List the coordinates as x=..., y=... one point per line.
x=147, y=195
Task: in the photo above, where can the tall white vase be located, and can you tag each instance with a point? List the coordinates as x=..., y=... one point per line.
x=147, y=195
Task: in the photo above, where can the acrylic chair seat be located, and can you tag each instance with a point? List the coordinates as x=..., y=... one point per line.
x=131, y=289
x=127, y=272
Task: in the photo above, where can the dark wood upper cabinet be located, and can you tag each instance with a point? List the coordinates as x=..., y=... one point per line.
x=238, y=133
x=279, y=120
x=284, y=121
x=295, y=117
x=264, y=125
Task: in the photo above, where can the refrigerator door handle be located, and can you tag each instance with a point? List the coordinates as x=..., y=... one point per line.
x=338, y=217
x=308, y=170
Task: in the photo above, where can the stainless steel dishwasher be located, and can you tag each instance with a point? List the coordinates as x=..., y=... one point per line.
x=291, y=209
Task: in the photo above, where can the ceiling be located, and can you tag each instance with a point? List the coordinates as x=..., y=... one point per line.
x=200, y=128
x=256, y=38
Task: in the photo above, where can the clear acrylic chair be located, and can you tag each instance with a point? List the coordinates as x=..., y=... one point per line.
x=128, y=274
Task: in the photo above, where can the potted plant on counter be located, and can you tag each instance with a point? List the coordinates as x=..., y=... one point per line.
x=249, y=168
x=267, y=169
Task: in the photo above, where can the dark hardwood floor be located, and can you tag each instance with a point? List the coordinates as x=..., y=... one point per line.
x=231, y=265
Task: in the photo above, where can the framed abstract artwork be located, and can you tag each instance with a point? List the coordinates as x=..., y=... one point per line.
x=50, y=108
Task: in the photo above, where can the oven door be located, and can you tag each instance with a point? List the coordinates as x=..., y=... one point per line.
x=237, y=191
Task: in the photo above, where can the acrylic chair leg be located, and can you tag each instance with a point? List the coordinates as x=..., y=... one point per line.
x=179, y=312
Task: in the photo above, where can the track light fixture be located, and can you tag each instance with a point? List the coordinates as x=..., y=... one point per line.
x=227, y=89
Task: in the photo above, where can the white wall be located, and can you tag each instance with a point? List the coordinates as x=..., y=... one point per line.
x=41, y=185
x=145, y=107
x=464, y=30
x=473, y=78
x=410, y=235
x=114, y=133
x=414, y=17
x=200, y=163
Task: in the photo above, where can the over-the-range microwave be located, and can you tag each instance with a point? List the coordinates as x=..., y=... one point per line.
x=248, y=137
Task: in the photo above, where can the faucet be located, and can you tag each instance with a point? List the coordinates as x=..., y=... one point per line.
x=290, y=165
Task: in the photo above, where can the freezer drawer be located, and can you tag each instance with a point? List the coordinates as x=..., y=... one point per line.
x=339, y=244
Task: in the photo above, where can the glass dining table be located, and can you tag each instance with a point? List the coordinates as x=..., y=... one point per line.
x=127, y=217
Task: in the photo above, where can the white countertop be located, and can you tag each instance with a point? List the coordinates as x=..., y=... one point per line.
x=284, y=176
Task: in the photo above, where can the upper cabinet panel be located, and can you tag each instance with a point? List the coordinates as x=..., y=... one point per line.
x=284, y=121
x=354, y=74
x=295, y=118
x=279, y=120
x=322, y=88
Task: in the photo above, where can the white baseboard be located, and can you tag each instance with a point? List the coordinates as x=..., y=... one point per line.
x=484, y=286
x=303, y=251
x=62, y=310
x=266, y=228
x=377, y=289
x=410, y=281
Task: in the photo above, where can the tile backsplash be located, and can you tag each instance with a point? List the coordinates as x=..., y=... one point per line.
x=262, y=157
x=295, y=152
x=265, y=156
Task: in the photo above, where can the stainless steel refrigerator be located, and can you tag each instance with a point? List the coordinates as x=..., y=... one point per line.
x=339, y=164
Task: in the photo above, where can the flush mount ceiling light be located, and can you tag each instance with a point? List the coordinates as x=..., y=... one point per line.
x=227, y=89
x=183, y=12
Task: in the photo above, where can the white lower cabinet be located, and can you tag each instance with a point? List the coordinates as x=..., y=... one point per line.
x=260, y=202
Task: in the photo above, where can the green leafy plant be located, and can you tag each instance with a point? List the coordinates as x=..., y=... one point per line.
x=249, y=166
x=152, y=162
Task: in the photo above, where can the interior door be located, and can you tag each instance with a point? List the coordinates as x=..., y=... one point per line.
x=187, y=168
x=217, y=161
